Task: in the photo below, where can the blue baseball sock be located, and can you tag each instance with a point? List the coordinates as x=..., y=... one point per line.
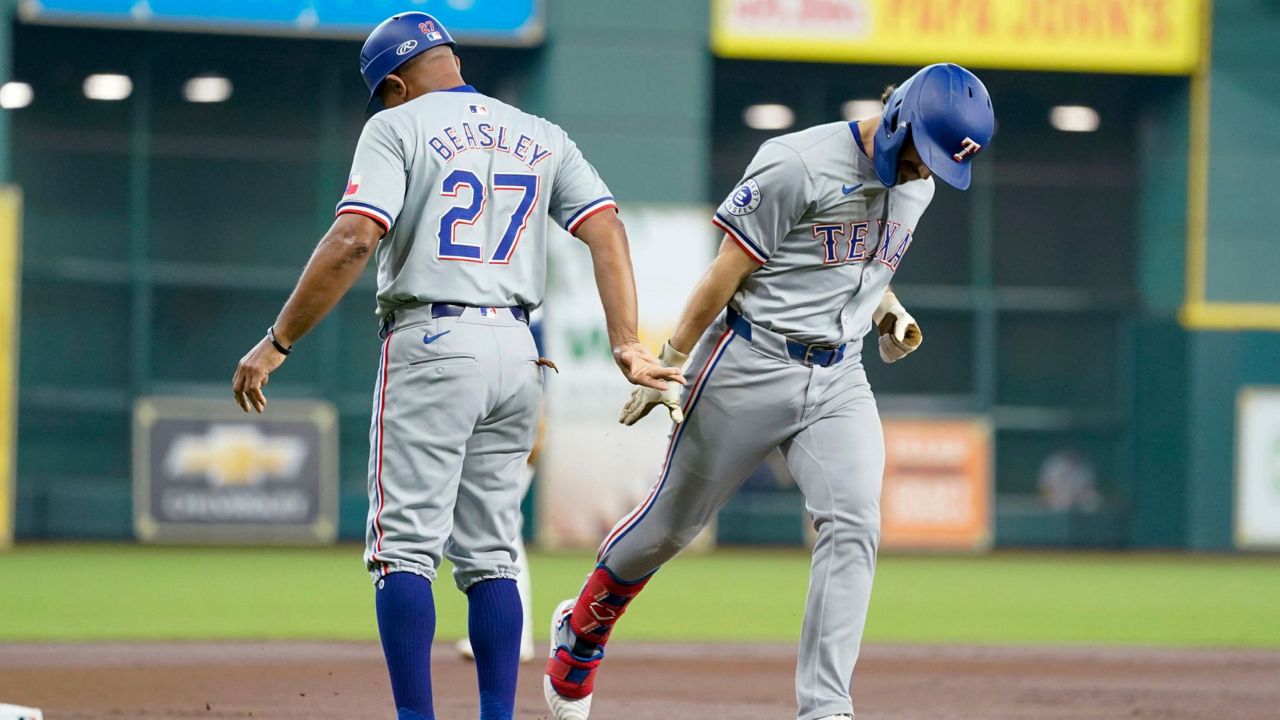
x=494, y=622
x=407, y=624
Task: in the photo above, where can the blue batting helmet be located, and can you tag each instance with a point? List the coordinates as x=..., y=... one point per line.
x=393, y=43
x=947, y=113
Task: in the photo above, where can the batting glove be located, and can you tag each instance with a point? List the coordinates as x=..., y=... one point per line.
x=899, y=334
x=644, y=399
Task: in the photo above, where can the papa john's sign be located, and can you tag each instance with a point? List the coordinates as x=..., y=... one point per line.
x=1124, y=36
x=937, y=485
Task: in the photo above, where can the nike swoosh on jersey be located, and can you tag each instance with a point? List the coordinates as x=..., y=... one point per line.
x=846, y=189
x=428, y=339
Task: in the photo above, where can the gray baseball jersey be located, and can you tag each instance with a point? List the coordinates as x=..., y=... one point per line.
x=828, y=234
x=464, y=183
x=465, y=186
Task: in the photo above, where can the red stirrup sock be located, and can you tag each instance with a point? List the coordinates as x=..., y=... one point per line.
x=603, y=600
x=572, y=676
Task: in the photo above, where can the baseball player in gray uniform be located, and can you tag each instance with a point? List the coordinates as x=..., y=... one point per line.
x=452, y=191
x=773, y=335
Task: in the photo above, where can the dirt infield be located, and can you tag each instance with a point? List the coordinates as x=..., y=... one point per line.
x=324, y=681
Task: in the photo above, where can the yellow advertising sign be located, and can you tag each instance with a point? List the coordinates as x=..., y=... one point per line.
x=1123, y=36
x=10, y=227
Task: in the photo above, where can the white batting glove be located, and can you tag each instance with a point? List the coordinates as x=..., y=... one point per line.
x=899, y=334
x=644, y=399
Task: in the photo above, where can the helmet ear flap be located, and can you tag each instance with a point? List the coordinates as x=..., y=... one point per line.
x=889, y=141
x=891, y=114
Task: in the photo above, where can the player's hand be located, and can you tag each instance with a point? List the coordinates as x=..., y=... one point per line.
x=252, y=373
x=644, y=399
x=641, y=368
x=899, y=333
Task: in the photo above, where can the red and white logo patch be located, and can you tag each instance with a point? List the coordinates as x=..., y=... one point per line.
x=968, y=148
x=603, y=613
x=353, y=184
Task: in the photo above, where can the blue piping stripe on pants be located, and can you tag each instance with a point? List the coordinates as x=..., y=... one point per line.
x=629, y=524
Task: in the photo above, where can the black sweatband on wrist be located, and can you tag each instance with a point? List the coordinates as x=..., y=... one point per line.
x=271, y=335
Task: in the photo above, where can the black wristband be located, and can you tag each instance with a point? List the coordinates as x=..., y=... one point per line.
x=271, y=335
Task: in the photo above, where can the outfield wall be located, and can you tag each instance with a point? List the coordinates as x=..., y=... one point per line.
x=1051, y=293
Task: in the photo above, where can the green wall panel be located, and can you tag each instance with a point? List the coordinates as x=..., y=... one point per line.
x=233, y=210
x=1242, y=258
x=1163, y=135
x=1220, y=364
x=76, y=200
x=73, y=336
x=73, y=473
x=630, y=83
x=1244, y=139
x=1214, y=364
x=1057, y=360
x=1161, y=435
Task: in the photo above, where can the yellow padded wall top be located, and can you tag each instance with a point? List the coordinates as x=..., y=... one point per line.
x=10, y=266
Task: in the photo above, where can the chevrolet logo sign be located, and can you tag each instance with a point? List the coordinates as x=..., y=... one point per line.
x=235, y=455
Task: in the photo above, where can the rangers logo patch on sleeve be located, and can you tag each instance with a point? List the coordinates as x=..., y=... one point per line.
x=744, y=200
x=353, y=184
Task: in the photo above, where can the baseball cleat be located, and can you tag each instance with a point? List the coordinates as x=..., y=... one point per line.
x=564, y=708
x=837, y=717
x=467, y=653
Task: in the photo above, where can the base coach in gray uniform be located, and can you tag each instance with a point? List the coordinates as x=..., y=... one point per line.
x=773, y=333
x=453, y=192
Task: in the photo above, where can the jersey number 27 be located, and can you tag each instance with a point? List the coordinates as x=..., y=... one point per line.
x=453, y=248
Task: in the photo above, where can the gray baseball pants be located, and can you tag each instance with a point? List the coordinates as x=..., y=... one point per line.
x=454, y=418
x=750, y=397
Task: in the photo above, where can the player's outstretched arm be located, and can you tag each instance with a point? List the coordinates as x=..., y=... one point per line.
x=709, y=297
x=712, y=293
x=604, y=234
x=333, y=268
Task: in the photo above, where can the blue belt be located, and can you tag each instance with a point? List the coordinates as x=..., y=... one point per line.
x=439, y=310
x=820, y=355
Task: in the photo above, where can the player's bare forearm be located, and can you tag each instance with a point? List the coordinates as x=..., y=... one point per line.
x=712, y=294
x=606, y=238
x=333, y=268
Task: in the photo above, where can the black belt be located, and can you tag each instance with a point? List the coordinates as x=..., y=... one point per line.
x=820, y=355
x=439, y=310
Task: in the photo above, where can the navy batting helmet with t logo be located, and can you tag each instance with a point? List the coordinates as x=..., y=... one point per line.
x=947, y=113
x=396, y=41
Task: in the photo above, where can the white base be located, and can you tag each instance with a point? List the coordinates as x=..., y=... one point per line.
x=15, y=712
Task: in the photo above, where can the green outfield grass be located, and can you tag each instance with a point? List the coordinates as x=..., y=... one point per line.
x=99, y=592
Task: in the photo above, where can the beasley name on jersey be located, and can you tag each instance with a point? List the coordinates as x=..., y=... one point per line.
x=454, y=141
